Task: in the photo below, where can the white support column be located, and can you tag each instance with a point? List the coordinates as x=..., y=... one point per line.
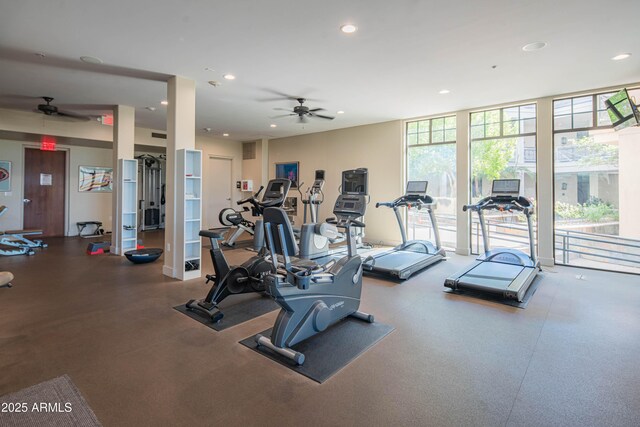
x=123, y=148
x=462, y=172
x=544, y=173
x=181, y=125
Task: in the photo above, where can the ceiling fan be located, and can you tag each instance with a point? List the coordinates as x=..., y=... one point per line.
x=51, y=110
x=302, y=111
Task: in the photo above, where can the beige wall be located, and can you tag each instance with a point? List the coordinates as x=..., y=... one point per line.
x=80, y=206
x=213, y=147
x=629, y=178
x=378, y=147
x=89, y=206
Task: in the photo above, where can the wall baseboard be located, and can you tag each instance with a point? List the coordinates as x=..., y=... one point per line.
x=167, y=270
x=463, y=251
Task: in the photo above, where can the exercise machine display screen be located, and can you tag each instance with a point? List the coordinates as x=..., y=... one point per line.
x=506, y=187
x=319, y=175
x=417, y=188
x=355, y=182
x=275, y=187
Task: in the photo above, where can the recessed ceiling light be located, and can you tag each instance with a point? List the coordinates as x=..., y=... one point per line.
x=340, y=112
x=151, y=108
x=164, y=102
x=229, y=76
x=444, y=91
x=274, y=125
x=348, y=28
x=91, y=60
x=225, y=134
x=214, y=83
x=534, y=46
x=621, y=56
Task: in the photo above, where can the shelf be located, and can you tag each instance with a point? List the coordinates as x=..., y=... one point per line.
x=193, y=177
x=189, y=199
x=128, y=213
x=189, y=242
x=129, y=239
x=192, y=220
x=191, y=259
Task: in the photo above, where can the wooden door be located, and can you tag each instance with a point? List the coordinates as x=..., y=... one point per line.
x=217, y=190
x=44, y=188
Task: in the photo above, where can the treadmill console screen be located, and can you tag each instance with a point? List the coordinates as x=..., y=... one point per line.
x=355, y=182
x=319, y=175
x=506, y=187
x=417, y=188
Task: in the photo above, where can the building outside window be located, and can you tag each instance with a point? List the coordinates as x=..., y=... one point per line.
x=596, y=173
x=431, y=156
x=503, y=145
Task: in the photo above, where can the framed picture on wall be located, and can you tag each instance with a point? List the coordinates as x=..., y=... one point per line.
x=95, y=179
x=289, y=170
x=5, y=175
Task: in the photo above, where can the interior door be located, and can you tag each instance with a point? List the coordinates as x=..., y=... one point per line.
x=44, y=188
x=217, y=190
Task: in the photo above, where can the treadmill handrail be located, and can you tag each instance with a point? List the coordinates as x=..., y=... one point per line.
x=420, y=203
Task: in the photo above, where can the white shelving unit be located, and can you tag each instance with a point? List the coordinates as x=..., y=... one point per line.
x=189, y=187
x=127, y=237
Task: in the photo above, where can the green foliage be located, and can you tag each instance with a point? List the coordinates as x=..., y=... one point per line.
x=490, y=158
x=595, y=210
x=594, y=153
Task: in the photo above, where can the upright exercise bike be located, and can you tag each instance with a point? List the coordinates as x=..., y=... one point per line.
x=312, y=297
x=274, y=196
x=241, y=279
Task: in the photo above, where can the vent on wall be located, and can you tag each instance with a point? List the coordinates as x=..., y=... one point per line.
x=158, y=135
x=248, y=150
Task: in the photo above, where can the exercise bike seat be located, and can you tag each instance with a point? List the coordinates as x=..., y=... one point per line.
x=211, y=234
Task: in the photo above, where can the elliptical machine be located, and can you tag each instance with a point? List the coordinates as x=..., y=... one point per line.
x=241, y=279
x=312, y=297
x=274, y=196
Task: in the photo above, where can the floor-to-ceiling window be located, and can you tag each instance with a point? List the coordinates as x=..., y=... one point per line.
x=596, y=173
x=431, y=156
x=503, y=145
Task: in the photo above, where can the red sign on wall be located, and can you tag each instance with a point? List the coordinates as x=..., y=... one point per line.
x=47, y=143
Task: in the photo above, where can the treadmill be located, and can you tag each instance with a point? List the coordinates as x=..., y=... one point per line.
x=410, y=256
x=502, y=272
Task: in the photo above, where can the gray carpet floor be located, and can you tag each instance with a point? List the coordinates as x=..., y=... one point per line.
x=569, y=359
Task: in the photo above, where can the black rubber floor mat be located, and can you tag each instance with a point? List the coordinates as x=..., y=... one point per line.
x=251, y=306
x=494, y=298
x=329, y=351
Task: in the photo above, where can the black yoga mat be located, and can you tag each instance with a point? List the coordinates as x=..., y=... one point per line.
x=244, y=308
x=329, y=351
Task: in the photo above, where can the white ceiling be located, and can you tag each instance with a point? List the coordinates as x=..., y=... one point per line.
x=403, y=54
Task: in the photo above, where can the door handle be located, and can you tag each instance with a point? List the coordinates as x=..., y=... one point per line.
x=25, y=201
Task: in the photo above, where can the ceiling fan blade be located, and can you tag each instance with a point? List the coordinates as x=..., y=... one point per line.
x=283, y=96
x=322, y=117
x=316, y=109
x=282, y=115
